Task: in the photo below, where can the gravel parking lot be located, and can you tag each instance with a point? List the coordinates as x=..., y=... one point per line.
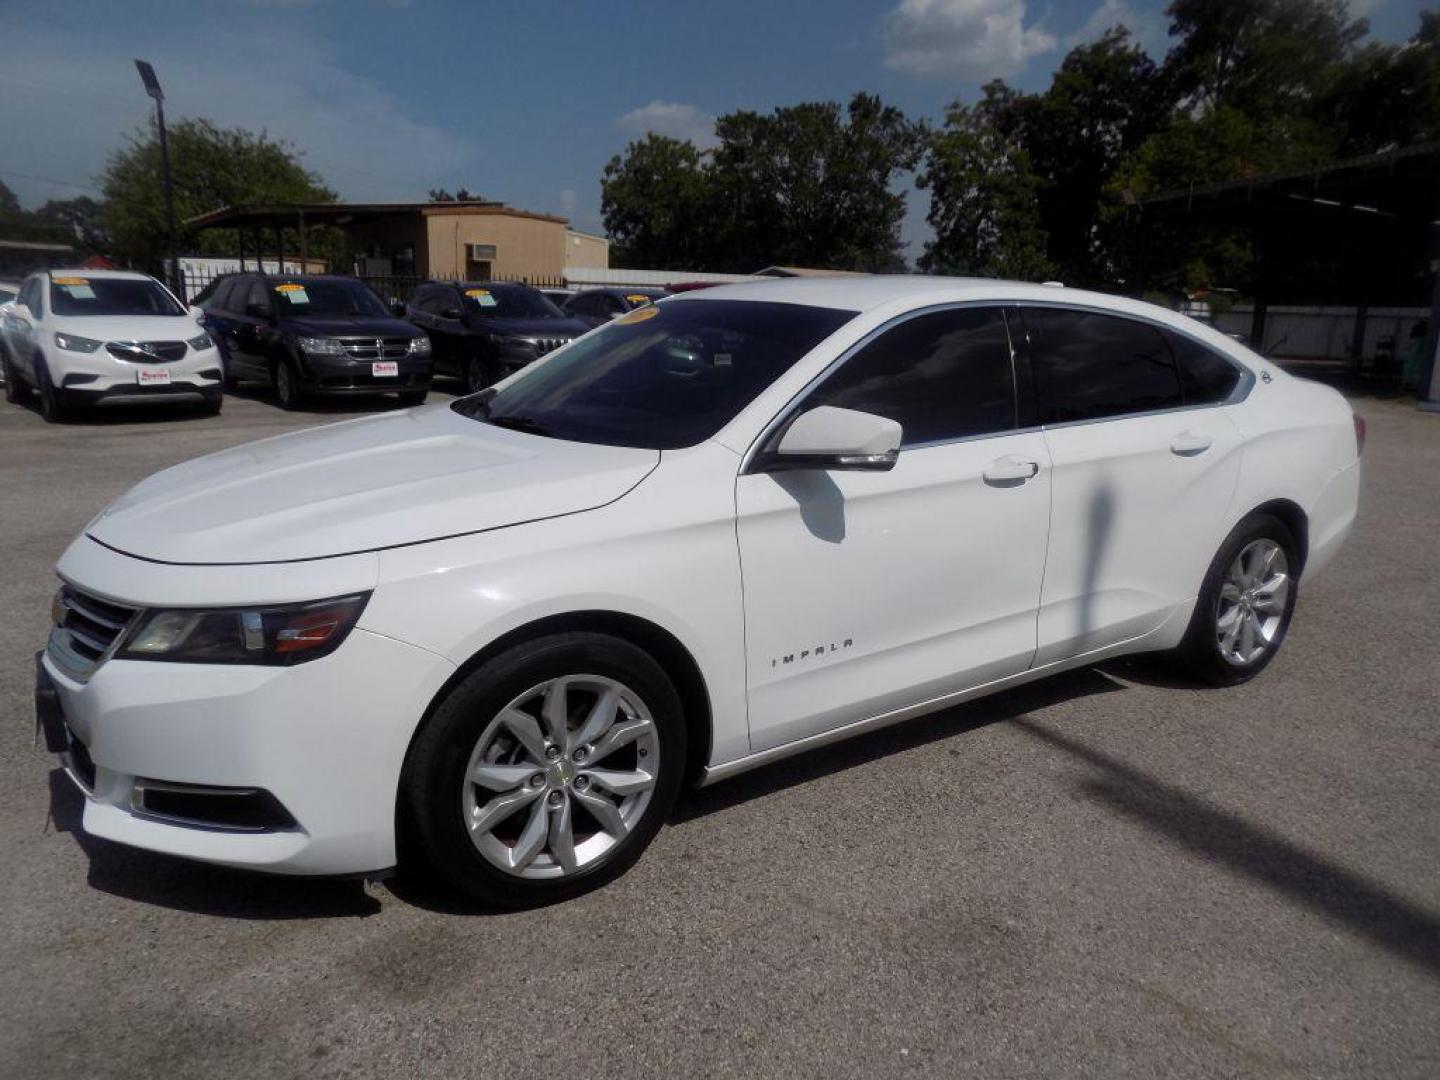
x=1104, y=874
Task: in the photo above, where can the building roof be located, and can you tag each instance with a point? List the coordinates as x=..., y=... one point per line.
x=274, y=215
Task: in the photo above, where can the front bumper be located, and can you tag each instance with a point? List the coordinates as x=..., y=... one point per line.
x=326, y=740
x=98, y=376
x=325, y=374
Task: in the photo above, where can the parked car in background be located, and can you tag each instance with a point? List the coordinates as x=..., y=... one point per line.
x=8, y=291
x=314, y=335
x=596, y=306
x=558, y=297
x=85, y=337
x=516, y=626
x=482, y=331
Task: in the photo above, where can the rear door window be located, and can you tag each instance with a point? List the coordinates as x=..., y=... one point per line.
x=942, y=376
x=1207, y=377
x=1088, y=365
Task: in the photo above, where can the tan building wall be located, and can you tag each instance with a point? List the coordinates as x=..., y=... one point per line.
x=526, y=245
x=587, y=250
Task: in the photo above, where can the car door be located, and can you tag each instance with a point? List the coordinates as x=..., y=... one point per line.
x=249, y=304
x=1141, y=482
x=447, y=328
x=22, y=325
x=866, y=592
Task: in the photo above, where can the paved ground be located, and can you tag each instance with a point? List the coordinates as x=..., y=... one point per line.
x=1102, y=875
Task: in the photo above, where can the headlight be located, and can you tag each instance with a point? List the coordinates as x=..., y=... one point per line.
x=73, y=343
x=322, y=346
x=280, y=636
x=419, y=346
x=200, y=342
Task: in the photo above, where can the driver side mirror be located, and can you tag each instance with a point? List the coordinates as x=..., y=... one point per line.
x=832, y=438
x=196, y=313
x=258, y=311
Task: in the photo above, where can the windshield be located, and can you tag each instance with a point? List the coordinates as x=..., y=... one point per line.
x=74, y=295
x=326, y=298
x=661, y=377
x=513, y=302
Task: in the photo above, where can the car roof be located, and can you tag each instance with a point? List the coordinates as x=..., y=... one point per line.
x=80, y=271
x=880, y=290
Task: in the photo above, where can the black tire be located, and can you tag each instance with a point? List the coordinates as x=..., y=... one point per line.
x=480, y=371
x=433, y=783
x=410, y=398
x=214, y=401
x=16, y=390
x=1200, y=655
x=289, y=392
x=54, y=406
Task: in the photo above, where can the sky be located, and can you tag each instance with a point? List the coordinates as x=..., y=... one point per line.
x=523, y=102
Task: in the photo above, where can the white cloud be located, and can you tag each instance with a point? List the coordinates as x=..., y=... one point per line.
x=349, y=129
x=673, y=119
x=1150, y=29
x=967, y=39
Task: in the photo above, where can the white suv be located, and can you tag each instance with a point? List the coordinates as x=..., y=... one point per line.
x=734, y=525
x=87, y=336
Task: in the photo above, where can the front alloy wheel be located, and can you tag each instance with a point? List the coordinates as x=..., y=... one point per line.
x=560, y=776
x=546, y=770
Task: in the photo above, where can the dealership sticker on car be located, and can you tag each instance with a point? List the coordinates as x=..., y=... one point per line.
x=481, y=297
x=296, y=294
x=150, y=377
x=640, y=314
x=76, y=287
x=385, y=367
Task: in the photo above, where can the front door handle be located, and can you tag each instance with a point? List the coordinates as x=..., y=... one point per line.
x=1189, y=444
x=1010, y=469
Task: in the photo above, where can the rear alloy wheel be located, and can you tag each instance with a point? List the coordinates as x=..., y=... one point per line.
x=480, y=372
x=547, y=771
x=16, y=392
x=1245, y=604
x=287, y=386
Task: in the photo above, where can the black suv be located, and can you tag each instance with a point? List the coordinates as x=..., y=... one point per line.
x=481, y=331
x=596, y=306
x=314, y=334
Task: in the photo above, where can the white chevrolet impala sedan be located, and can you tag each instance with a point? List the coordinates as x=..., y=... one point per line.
x=501, y=634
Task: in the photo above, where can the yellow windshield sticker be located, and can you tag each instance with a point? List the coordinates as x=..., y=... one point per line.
x=639, y=315
x=477, y=292
x=70, y=281
x=638, y=298
x=290, y=287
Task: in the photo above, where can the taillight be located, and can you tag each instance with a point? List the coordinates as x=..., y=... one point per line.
x=1359, y=434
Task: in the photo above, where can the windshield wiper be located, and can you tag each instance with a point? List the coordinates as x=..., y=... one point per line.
x=518, y=423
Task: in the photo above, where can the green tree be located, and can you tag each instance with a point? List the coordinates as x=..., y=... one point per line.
x=210, y=167
x=9, y=204
x=984, y=204
x=1105, y=100
x=82, y=218
x=656, y=204
x=814, y=185
x=1388, y=95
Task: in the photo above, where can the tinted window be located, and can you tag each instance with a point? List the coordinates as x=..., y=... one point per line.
x=1207, y=376
x=326, y=297
x=1088, y=365
x=254, y=295
x=664, y=377
x=509, y=302
x=942, y=376
x=76, y=294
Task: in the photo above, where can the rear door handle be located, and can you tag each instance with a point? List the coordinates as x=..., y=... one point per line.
x=1011, y=469
x=1189, y=444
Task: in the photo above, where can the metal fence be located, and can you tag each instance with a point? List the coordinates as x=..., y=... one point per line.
x=1311, y=334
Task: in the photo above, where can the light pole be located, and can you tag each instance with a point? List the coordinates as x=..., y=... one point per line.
x=152, y=87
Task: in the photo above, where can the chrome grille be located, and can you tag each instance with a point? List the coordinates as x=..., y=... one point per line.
x=545, y=345
x=377, y=348
x=86, y=631
x=147, y=352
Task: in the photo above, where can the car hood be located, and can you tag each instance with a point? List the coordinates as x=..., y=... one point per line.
x=502, y=327
x=361, y=485
x=348, y=326
x=129, y=327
